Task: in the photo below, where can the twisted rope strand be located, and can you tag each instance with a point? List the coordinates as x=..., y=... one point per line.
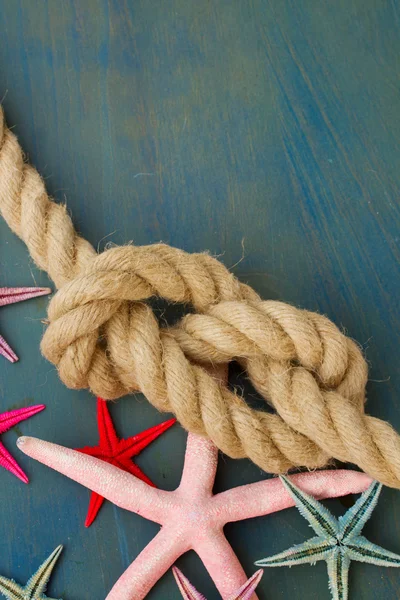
x=103, y=336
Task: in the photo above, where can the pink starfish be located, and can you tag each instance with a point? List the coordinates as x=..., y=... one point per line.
x=192, y=518
x=189, y=592
x=10, y=296
x=7, y=421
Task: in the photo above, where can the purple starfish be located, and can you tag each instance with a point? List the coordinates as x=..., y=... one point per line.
x=7, y=421
x=189, y=592
x=10, y=296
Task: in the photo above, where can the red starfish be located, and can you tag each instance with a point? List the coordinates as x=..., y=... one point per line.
x=118, y=452
x=10, y=296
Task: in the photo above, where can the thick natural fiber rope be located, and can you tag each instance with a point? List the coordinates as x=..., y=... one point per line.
x=102, y=336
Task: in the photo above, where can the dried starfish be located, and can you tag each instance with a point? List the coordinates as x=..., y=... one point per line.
x=118, y=452
x=338, y=541
x=36, y=586
x=191, y=516
x=7, y=421
x=189, y=592
x=10, y=296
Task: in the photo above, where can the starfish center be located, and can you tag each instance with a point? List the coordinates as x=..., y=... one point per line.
x=194, y=519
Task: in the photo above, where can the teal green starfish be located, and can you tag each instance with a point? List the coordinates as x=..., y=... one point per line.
x=338, y=541
x=36, y=586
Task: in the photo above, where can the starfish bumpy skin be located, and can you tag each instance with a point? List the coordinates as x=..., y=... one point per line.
x=338, y=541
x=191, y=517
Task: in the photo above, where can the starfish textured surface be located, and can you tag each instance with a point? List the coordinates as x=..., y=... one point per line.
x=7, y=421
x=36, y=586
x=189, y=592
x=191, y=517
x=338, y=541
x=118, y=452
x=11, y=296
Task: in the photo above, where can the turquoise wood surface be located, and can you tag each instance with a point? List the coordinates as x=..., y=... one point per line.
x=265, y=131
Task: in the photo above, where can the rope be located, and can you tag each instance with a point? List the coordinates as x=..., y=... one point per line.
x=103, y=336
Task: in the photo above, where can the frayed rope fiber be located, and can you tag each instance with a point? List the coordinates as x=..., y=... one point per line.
x=103, y=336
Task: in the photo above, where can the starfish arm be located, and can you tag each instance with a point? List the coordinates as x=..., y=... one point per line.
x=269, y=496
x=108, y=436
x=10, y=296
x=319, y=517
x=313, y=550
x=7, y=351
x=13, y=295
x=362, y=550
x=10, y=589
x=8, y=462
x=37, y=584
x=200, y=466
x=115, y=485
x=151, y=564
x=133, y=469
x=13, y=417
x=247, y=589
x=95, y=504
x=221, y=563
x=187, y=590
x=90, y=451
x=355, y=518
x=338, y=571
x=133, y=445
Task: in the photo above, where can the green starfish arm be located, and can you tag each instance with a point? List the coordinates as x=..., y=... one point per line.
x=36, y=586
x=10, y=589
x=324, y=524
x=338, y=571
x=351, y=524
x=362, y=550
x=313, y=550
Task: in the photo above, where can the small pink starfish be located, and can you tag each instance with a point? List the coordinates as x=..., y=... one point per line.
x=10, y=296
x=192, y=518
x=7, y=421
x=189, y=592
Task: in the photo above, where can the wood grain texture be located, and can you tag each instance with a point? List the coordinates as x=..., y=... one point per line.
x=270, y=125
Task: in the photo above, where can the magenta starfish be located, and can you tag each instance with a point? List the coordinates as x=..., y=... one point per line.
x=7, y=421
x=11, y=296
x=192, y=518
x=118, y=452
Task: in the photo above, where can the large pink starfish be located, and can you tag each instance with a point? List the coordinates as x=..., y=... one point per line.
x=191, y=516
x=10, y=296
x=7, y=421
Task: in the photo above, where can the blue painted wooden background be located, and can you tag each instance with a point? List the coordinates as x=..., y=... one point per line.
x=264, y=128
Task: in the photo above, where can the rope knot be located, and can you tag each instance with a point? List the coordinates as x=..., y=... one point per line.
x=87, y=310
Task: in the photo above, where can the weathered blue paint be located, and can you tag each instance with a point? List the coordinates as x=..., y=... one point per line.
x=204, y=124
